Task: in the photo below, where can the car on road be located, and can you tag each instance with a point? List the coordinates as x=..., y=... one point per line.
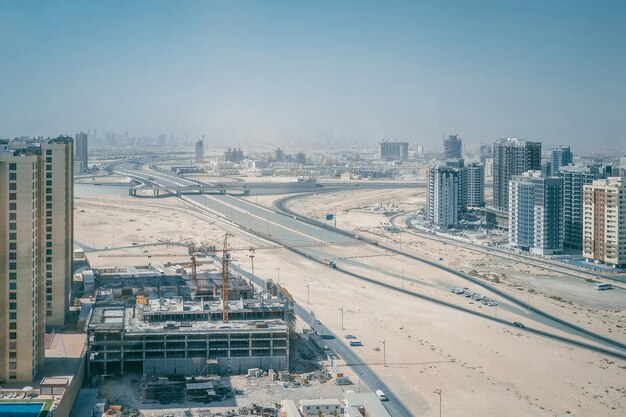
x=381, y=395
x=326, y=347
x=350, y=336
x=468, y=293
x=356, y=343
x=458, y=290
x=477, y=296
x=318, y=322
x=518, y=324
x=492, y=303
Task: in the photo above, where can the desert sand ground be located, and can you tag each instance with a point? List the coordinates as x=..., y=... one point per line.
x=482, y=368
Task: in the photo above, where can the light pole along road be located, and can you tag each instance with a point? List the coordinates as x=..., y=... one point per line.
x=336, y=345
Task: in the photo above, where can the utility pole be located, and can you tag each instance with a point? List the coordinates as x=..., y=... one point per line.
x=252, y=259
x=438, y=392
x=361, y=373
x=278, y=269
x=321, y=244
x=307, y=293
x=384, y=352
x=341, y=309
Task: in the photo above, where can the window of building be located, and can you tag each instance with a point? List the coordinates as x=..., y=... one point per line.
x=12, y=246
x=12, y=355
x=12, y=256
x=12, y=167
x=12, y=276
x=12, y=296
x=13, y=266
x=12, y=176
x=12, y=216
x=12, y=306
x=12, y=315
x=12, y=186
x=12, y=196
x=48, y=151
x=48, y=206
x=12, y=206
x=13, y=335
x=12, y=375
x=48, y=175
x=48, y=313
x=12, y=226
x=13, y=325
x=12, y=236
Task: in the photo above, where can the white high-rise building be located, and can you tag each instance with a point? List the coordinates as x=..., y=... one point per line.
x=443, y=196
x=536, y=213
x=475, y=184
x=604, y=221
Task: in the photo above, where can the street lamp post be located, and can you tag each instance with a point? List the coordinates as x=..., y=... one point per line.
x=341, y=309
x=361, y=373
x=438, y=392
x=308, y=285
x=384, y=352
x=278, y=269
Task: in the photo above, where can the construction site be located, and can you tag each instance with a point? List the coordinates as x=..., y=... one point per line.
x=185, y=331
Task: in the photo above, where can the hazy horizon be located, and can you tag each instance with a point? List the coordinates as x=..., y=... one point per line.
x=323, y=72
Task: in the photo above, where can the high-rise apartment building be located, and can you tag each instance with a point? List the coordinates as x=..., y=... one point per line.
x=200, y=151
x=81, y=154
x=279, y=155
x=561, y=156
x=22, y=260
x=575, y=177
x=58, y=205
x=443, y=196
x=475, y=184
x=604, y=221
x=394, y=151
x=452, y=147
x=536, y=213
x=459, y=165
x=511, y=157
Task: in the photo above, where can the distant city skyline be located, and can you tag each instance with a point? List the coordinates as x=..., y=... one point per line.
x=322, y=72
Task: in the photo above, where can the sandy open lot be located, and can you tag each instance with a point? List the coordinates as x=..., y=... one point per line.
x=482, y=368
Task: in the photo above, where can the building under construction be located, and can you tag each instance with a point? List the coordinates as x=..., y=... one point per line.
x=188, y=337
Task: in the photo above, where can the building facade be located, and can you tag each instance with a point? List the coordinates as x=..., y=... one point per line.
x=536, y=213
x=512, y=157
x=443, y=196
x=200, y=151
x=22, y=282
x=394, y=151
x=475, y=184
x=452, y=147
x=604, y=221
x=561, y=156
x=58, y=204
x=81, y=155
x=575, y=177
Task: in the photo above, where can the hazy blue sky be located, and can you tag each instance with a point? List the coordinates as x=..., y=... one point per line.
x=295, y=71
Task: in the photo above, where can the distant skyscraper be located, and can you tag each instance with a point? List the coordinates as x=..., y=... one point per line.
x=443, y=196
x=233, y=155
x=575, y=177
x=452, y=147
x=36, y=247
x=486, y=152
x=561, y=156
x=394, y=151
x=459, y=165
x=536, y=213
x=546, y=169
x=512, y=157
x=200, y=151
x=81, y=154
x=279, y=155
x=475, y=184
x=604, y=230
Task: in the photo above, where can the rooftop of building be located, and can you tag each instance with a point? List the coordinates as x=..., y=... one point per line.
x=112, y=316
